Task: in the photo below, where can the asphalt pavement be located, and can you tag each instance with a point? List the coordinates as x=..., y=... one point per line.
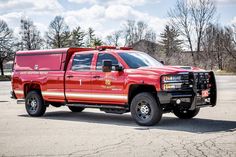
x=94, y=133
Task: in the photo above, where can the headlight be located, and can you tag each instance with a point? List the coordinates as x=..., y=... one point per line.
x=175, y=82
x=171, y=78
x=170, y=86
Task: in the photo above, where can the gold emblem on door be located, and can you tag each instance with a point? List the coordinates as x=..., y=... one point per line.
x=107, y=82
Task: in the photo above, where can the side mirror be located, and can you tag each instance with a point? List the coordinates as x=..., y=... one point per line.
x=119, y=68
x=107, y=66
x=162, y=62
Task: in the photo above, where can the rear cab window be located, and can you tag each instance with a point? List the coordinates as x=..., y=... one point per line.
x=82, y=62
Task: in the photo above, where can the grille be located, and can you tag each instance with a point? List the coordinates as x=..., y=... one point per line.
x=201, y=80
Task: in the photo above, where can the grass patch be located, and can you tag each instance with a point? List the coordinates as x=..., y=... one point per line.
x=5, y=78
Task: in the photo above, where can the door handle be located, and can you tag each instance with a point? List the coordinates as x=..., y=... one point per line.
x=69, y=76
x=96, y=76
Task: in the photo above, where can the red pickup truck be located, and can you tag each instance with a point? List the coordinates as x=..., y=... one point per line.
x=115, y=80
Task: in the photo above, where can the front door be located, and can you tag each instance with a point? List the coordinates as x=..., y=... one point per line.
x=78, y=78
x=108, y=87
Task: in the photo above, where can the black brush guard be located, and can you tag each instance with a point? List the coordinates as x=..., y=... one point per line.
x=190, y=93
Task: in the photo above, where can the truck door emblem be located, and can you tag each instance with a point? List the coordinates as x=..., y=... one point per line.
x=107, y=82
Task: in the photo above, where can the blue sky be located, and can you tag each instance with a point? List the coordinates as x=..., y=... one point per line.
x=104, y=16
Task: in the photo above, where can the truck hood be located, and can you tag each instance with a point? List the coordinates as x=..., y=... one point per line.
x=160, y=70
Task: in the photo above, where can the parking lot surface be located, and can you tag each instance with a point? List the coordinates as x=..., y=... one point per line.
x=94, y=133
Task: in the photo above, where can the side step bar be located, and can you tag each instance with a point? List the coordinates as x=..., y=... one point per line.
x=99, y=106
x=20, y=101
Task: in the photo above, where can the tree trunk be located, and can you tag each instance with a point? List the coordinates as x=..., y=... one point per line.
x=191, y=48
x=1, y=67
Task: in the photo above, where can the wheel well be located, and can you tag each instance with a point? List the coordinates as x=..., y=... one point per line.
x=137, y=88
x=31, y=86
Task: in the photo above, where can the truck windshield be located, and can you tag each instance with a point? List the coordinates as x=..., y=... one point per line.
x=139, y=59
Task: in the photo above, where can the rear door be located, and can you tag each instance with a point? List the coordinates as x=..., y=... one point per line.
x=108, y=87
x=78, y=78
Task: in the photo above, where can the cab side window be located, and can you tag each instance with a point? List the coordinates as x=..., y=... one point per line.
x=82, y=62
x=105, y=56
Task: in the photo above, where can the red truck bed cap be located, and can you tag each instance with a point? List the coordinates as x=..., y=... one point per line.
x=59, y=50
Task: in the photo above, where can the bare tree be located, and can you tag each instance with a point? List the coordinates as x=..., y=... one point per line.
x=180, y=18
x=150, y=36
x=58, y=34
x=229, y=41
x=6, y=44
x=135, y=31
x=140, y=30
x=114, y=38
x=208, y=46
x=202, y=12
x=30, y=36
x=128, y=31
x=219, y=47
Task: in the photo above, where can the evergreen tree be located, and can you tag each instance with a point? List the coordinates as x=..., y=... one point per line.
x=90, y=37
x=170, y=41
x=97, y=42
x=77, y=37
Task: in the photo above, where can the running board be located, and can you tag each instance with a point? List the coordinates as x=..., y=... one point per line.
x=20, y=101
x=99, y=106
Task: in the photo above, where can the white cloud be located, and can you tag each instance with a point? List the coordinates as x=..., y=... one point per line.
x=226, y=1
x=116, y=12
x=86, y=17
x=11, y=17
x=103, y=18
x=84, y=1
x=26, y=5
x=233, y=21
x=115, y=2
x=41, y=27
x=108, y=19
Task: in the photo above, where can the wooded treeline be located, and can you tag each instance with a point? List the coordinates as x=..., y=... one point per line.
x=191, y=37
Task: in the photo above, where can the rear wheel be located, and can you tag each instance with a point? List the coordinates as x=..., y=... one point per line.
x=76, y=109
x=145, y=110
x=34, y=104
x=186, y=114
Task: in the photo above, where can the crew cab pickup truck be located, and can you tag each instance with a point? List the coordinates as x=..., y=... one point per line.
x=114, y=80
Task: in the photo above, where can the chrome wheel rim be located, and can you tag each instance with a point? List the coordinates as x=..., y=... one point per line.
x=32, y=104
x=143, y=110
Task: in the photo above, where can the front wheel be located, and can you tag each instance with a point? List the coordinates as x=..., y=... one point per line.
x=145, y=110
x=186, y=114
x=34, y=104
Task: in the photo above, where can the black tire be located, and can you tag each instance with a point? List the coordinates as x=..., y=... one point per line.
x=76, y=109
x=145, y=110
x=186, y=114
x=34, y=104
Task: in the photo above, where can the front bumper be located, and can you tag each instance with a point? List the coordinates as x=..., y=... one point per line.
x=190, y=99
